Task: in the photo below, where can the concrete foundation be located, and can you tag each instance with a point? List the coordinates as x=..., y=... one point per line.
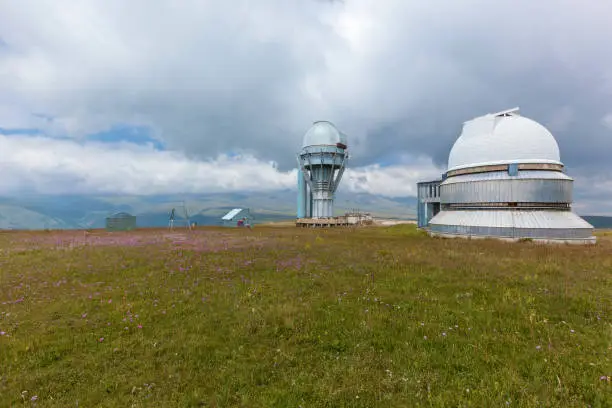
x=583, y=241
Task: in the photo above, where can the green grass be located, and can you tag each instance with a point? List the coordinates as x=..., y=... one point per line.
x=286, y=317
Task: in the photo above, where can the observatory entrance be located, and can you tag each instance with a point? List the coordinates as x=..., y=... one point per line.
x=435, y=209
x=428, y=206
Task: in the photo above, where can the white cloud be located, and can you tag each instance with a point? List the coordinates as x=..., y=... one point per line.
x=218, y=76
x=607, y=121
x=53, y=166
x=190, y=71
x=390, y=181
x=250, y=76
x=592, y=192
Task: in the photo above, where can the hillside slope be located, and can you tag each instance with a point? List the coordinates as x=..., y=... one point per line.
x=72, y=212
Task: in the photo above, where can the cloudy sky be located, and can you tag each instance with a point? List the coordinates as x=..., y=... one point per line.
x=148, y=96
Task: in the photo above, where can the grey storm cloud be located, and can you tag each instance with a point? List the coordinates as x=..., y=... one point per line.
x=398, y=76
x=551, y=59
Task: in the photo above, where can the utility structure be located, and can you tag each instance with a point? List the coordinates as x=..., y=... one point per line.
x=237, y=217
x=505, y=180
x=172, y=217
x=321, y=163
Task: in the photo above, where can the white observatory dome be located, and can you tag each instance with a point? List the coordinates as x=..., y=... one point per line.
x=502, y=138
x=323, y=133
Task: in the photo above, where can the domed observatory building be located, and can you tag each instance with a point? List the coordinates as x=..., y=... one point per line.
x=321, y=163
x=505, y=179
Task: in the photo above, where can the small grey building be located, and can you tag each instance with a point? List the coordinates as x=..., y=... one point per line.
x=121, y=221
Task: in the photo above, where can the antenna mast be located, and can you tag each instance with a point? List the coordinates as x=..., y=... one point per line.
x=186, y=216
x=171, y=220
x=173, y=216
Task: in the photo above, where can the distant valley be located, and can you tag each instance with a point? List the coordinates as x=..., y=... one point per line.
x=78, y=212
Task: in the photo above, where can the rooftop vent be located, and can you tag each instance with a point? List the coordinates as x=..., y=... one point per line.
x=508, y=112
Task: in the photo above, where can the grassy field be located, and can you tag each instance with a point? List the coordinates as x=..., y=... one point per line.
x=286, y=317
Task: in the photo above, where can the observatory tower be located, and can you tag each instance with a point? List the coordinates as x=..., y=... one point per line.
x=321, y=163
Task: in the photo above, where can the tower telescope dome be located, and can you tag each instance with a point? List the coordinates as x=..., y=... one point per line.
x=321, y=162
x=323, y=133
x=503, y=138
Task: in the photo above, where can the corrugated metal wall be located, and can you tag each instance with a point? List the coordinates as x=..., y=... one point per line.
x=508, y=191
x=420, y=207
x=505, y=175
x=543, y=193
x=509, y=232
x=302, y=193
x=512, y=223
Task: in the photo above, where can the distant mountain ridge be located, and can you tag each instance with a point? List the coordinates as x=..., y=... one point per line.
x=599, y=221
x=78, y=212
